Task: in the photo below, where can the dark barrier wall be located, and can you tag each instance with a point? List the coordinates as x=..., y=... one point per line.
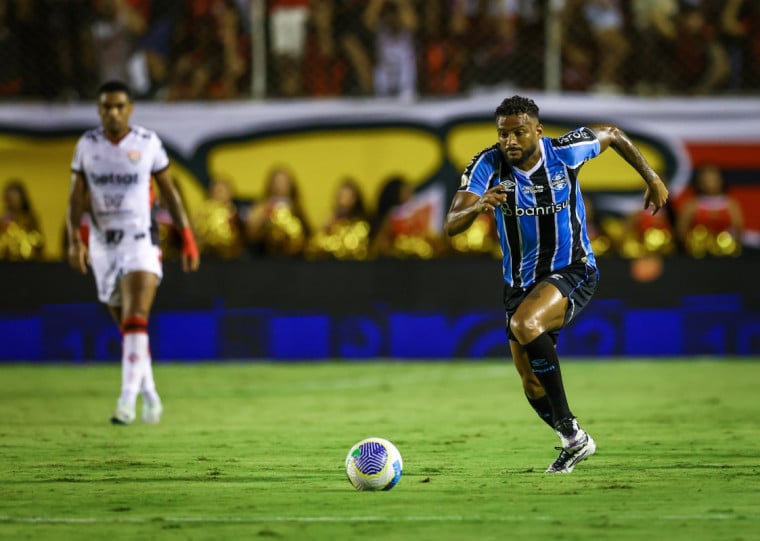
x=357, y=310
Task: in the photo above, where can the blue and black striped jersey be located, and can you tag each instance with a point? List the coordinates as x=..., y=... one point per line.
x=542, y=225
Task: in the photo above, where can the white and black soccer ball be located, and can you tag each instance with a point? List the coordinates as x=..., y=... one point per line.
x=374, y=464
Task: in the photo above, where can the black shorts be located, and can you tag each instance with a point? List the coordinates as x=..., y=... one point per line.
x=577, y=282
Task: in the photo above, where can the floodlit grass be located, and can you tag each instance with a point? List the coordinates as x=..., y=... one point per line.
x=256, y=451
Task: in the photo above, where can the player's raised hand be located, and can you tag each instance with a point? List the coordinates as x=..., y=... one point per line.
x=492, y=198
x=79, y=257
x=656, y=195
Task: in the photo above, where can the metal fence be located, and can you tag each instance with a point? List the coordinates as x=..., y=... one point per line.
x=407, y=49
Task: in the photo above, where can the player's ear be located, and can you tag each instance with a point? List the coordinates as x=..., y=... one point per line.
x=540, y=129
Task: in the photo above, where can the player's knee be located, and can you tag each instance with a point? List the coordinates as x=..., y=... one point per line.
x=525, y=329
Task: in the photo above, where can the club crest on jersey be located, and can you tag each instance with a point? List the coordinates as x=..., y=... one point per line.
x=558, y=181
x=134, y=156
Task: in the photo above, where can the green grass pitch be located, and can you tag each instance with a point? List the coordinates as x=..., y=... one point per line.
x=256, y=451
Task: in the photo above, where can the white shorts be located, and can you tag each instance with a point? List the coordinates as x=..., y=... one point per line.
x=111, y=261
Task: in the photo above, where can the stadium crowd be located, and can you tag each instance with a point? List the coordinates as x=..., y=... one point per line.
x=214, y=49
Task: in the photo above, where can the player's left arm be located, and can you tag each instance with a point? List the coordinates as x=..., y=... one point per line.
x=609, y=135
x=169, y=195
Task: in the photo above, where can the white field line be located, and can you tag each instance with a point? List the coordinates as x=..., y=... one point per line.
x=348, y=519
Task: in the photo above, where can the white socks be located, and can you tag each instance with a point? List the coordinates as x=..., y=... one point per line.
x=135, y=366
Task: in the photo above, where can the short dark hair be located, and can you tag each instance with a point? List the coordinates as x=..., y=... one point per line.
x=115, y=86
x=517, y=105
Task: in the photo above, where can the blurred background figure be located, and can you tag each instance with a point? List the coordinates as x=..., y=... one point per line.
x=287, y=36
x=12, y=66
x=276, y=224
x=407, y=224
x=739, y=27
x=711, y=222
x=115, y=28
x=217, y=223
x=645, y=234
x=324, y=67
x=153, y=53
x=71, y=63
x=346, y=233
x=600, y=231
x=442, y=56
x=654, y=33
x=21, y=238
x=211, y=53
x=595, y=45
x=394, y=24
x=355, y=43
x=504, y=41
x=701, y=64
x=480, y=239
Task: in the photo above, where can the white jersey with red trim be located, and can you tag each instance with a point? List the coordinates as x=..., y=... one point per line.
x=118, y=177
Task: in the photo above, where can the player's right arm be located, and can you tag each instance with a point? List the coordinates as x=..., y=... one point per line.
x=77, y=255
x=466, y=206
x=474, y=196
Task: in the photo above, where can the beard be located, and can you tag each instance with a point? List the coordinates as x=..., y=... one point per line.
x=525, y=153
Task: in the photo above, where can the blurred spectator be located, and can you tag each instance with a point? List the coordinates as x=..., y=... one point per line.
x=403, y=222
x=441, y=55
x=710, y=223
x=67, y=23
x=701, y=64
x=394, y=24
x=115, y=27
x=346, y=233
x=480, y=239
x=602, y=242
x=489, y=30
x=11, y=70
x=356, y=45
x=277, y=225
x=287, y=36
x=217, y=224
x=150, y=62
x=324, y=69
x=595, y=45
x=738, y=20
x=200, y=49
x=648, y=234
x=211, y=53
x=21, y=237
x=654, y=32
x=528, y=61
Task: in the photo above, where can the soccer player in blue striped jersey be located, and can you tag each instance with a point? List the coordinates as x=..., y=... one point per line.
x=530, y=184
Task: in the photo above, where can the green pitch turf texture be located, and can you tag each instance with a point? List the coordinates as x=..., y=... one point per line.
x=256, y=451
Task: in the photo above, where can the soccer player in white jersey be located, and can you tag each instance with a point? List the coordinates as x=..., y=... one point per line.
x=111, y=178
